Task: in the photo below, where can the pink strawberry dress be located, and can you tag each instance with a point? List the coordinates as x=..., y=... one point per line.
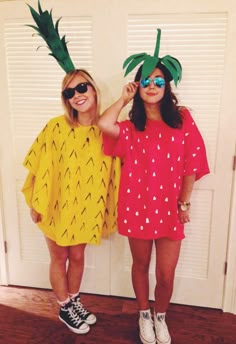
x=154, y=162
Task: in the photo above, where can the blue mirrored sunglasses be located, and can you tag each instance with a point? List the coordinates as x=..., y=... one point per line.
x=158, y=81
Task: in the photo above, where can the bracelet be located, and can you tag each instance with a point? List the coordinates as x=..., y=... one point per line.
x=184, y=206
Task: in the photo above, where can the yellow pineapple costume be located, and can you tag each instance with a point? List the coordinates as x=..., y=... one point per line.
x=72, y=184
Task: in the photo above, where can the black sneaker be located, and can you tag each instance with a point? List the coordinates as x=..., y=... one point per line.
x=83, y=313
x=72, y=320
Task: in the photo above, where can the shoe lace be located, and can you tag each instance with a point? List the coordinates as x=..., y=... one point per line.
x=78, y=306
x=74, y=317
x=161, y=320
x=146, y=323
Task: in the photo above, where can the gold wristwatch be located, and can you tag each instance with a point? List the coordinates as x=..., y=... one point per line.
x=184, y=206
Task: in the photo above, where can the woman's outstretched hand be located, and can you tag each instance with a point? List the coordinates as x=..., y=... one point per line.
x=129, y=91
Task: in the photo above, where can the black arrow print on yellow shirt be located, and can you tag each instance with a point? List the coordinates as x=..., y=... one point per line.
x=93, y=130
x=90, y=180
x=75, y=201
x=73, y=153
x=65, y=204
x=101, y=198
x=72, y=132
x=46, y=174
x=63, y=144
x=90, y=160
x=46, y=126
x=88, y=197
x=67, y=173
x=45, y=186
x=52, y=222
x=86, y=143
x=61, y=158
x=95, y=227
x=57, y=127
x=103, y=183
x=65, y=233
x=105, y=225
x=56, y=206
x=78, y=170
x=82, y=227
x=99, y=213
x=54, y=145
x=44, y=147
x=94, y=238
x=103, y=165
x=36, y=200
x=28, y=163
x=32, y=152
x=73, y=220
x=83, y=211
x=111, y=183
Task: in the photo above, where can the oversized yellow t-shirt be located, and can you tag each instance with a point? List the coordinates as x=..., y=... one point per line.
x=72, y=184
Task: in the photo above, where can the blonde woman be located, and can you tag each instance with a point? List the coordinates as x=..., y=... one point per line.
x=67, y=189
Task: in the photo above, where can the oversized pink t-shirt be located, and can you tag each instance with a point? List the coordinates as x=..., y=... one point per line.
x=154, y=162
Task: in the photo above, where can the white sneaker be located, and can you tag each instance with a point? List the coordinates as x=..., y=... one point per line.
x=146, y=330
x=162, y=333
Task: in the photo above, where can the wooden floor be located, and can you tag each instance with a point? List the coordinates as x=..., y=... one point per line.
x=30, y=316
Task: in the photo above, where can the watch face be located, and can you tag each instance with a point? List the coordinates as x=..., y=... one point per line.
x=183, y=207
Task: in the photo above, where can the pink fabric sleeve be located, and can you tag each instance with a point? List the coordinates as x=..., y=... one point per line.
x=195, y=159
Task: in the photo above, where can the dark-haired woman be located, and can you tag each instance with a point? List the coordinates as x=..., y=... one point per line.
x=70, y=193
x=162, y=155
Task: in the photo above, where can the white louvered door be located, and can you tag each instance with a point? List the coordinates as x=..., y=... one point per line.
x=101, y=35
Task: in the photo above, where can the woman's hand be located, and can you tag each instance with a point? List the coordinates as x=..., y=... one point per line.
x=129, y=91
x=36, y=217
x=183, y=216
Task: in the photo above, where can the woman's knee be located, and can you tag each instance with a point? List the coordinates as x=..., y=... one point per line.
x=76, y=254
x=141, y=265
x=165, y=280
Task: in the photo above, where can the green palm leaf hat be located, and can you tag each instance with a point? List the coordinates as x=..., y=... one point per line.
x=170, y=63
x=49, y=32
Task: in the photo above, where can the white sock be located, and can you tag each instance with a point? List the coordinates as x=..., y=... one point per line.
x=63, y=303
x=161, y=315
x=143, y=313
x=72, y=296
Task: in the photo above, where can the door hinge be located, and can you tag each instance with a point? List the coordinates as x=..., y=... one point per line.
x=225, y=269
x=5, y=247
x=234, y=163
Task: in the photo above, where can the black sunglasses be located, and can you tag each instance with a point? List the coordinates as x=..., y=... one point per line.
x=69, y=93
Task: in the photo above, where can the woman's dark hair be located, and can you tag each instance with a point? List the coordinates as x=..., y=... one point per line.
x=170, y=111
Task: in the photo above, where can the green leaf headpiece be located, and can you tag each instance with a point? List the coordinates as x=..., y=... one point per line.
x=170, y=63
x=46, y=29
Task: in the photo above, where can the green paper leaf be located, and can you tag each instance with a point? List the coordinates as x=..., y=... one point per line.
x=171, y=68
x=175, y=63
x=39, y=7
x=134, y=63
x=149, y=65
x=157, y=47
x=173, y=60
x=131, y=57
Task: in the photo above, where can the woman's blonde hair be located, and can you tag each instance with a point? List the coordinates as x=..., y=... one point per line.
x=71, y=114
